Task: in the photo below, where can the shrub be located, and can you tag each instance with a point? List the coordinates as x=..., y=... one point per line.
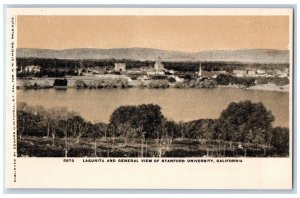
x=80, y=84
x=60, y=82
x=280, y=81
x=157, y=84
x=262, y=80
x=223, y=79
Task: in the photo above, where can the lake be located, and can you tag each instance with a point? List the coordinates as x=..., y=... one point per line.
x=177, y=104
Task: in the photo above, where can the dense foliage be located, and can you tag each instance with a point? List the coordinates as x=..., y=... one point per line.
x=243, y=122
x=224, y=79
x=62, y=67
x=60, y=82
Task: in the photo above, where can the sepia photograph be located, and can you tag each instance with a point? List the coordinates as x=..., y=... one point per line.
x=145, y=86
x=206, y=86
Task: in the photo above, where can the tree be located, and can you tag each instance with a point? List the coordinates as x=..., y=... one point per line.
x=223, y=79
x=245, y=122
x=146, y=118
x=78, y=127
x=128, y=132
x=64, y=126
x=29, y=123
x=280, y=140
x=23, y=119
x=60, y=82
x=57, y=114
x=170, y=129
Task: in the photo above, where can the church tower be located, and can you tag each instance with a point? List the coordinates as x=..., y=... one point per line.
x=158, y=66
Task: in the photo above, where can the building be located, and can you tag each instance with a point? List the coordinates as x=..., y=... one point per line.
x=240, y=73
x=278, y=73
x=261, y=72
x=200, y=70
x=33, y=69
x=171, y=71
x=120, y=67
x=79, y=71
x=112, y=76
x=221, y=72
x=158, y=68
x=177, y=79
x=251, y=73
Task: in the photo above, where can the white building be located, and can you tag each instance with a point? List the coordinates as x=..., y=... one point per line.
x=33, y=68
x=286, y=71
x=240, y=73
x=120, y=67
x=279, y=73
x=112, y=76
x=158, y=68
x=251, y=73
x=221, y=72
x=177, y=79
x=172, y=71
x=154, y=72
x=261, y=72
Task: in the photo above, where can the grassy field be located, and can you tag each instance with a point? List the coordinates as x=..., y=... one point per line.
x=31, y=146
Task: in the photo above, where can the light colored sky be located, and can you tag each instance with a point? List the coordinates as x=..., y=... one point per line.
x=179, y=33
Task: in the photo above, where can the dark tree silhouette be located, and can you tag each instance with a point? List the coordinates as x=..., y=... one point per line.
x=143, y=118
x=280, y=140
x=244, y=122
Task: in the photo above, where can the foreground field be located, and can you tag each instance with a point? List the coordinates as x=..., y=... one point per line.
x=43, y=147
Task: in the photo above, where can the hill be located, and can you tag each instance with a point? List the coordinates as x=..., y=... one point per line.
x=244, y=55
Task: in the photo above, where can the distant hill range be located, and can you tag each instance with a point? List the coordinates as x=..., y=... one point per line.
x=243, y=55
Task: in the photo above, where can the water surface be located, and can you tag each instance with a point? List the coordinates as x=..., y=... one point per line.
x=177, y=104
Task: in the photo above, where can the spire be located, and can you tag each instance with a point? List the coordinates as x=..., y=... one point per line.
x=158, y=64
x=200, y=70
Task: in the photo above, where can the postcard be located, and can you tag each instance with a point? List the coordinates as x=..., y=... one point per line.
x=149, y=98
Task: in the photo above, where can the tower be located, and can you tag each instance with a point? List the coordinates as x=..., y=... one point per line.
x=200, y=70
x=158, y=66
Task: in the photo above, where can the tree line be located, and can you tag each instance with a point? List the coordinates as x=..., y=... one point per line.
x=243, y=122
x=224, y=79
x=60, y=67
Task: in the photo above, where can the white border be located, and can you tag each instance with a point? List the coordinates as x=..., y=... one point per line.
x=173, y=2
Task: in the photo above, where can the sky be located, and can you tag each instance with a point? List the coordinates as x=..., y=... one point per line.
x=178, y=33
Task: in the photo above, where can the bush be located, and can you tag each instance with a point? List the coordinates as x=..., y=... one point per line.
x=280, y=141
x=60, y=82
x=246, y=81
x=223, y=79
x=80, y=152
x=262, y=80
x=158, y=84
x=80, y=84
x=280, y=81
x=181, y=85
x=185, y=153
x=171, y=80
x=31, y=150
x=103, y=83
x=206, y=83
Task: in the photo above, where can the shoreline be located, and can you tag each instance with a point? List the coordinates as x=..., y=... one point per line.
x=261, y=87
x=45, y=82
